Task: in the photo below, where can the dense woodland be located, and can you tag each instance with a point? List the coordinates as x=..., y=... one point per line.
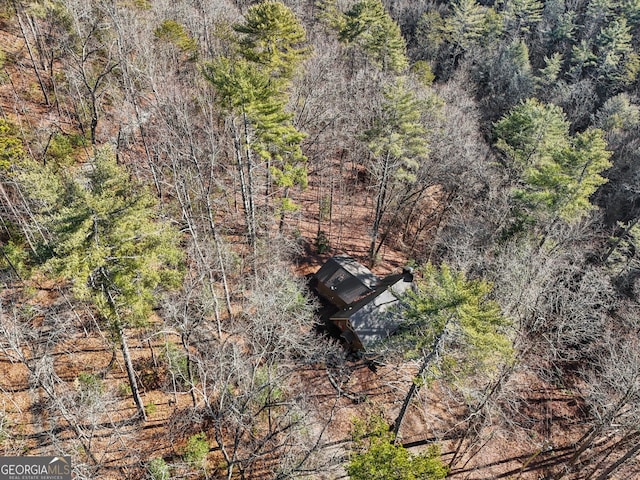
x=172, y=171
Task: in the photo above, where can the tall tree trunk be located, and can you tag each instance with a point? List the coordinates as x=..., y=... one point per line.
x=245, y=191
x=250, y=179
x=218, y=244
x=415, y=386
x=27, y=43
x=185, y=204
x=476, y=416
x=192, y=391
x=283, y=213
x=379, y=211
x=216, y=238
x=591, y=435
x=131, y=374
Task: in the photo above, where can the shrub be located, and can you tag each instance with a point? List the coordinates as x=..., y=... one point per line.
x=124, y=390
x=322, y=242
x=89, y=387
x=11, y=147
x=377, y=457
x=151, y=408
x=158, y=469
x=60, y=150
x=196, y=449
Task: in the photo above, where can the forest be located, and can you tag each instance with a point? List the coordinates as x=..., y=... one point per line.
x=172, y=173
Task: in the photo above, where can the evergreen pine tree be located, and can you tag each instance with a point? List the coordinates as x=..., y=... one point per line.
x=558, y=172
x=465, y=26
x=531, y=132
x=617, y=62
x=110, y=244
x=398, y=143
x=520, y=16
x=454, y=328
x=11, y=147
x=378, y=457
x=252, y=89
x=368, y=25
x=273, y=37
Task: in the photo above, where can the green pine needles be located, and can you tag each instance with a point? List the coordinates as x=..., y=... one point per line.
x=252, y=86
x=106, y=238
x=368, y=25
x=557, y=172
x=378, y=457
x=274, y=38
x=110, y=243
x=398, y=143
x=455, y=317
x=11, y=146
x=176, y=33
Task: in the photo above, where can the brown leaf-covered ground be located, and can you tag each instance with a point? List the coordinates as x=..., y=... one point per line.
x=544, y=420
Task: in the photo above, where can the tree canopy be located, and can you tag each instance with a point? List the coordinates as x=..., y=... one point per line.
x=399, y=144
x=11, y=146
x=274, y=38
x=456, y=317
x=172, y=174
x=253, y=86
x=378, y=457
x=110, y=243
x=368, y=25
x=558, y=172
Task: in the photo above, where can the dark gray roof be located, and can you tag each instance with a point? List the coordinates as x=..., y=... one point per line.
x=376, y=316
x=343, y=280
x=349, y=265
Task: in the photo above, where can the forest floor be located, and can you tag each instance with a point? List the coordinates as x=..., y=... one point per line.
x=524, y=451
x=344, y=221
x=548, y=419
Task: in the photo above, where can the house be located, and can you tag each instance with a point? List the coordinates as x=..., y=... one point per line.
x=342, y=281
x=367, y=307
